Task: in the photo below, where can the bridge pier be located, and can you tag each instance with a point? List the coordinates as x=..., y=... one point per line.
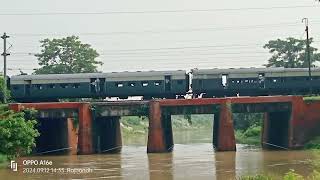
x=85, y=145
x=156, y=135
x=224, y=138
x=108, y=134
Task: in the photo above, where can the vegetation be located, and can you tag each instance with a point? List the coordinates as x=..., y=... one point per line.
x=4, y=93
x=17, y=132
x=3, y=160
x=290, y=53
x=291, y=175
x=311, y=98
x=139, y=125
x=255, y=177
x=66, y=55
x=313, y=144
x=248, y=128
x=251, y=136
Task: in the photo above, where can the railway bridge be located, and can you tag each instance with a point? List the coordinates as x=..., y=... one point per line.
x=87, y=128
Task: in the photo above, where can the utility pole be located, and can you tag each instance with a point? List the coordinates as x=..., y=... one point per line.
x=5, y=54
x=305, y=20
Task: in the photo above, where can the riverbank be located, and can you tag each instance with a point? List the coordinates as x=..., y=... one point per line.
x=134, y=125
x=291, y=175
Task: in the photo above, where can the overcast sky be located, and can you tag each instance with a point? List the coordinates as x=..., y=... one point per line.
x=157, y=35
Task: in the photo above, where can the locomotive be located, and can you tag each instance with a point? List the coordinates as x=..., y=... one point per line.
x=166, y=84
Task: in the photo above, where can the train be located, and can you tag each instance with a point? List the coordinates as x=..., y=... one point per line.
x=166, y=84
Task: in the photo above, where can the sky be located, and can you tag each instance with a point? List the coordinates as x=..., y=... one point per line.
x=157, y=35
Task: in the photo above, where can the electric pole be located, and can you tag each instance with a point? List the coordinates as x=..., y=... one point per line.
x=305, y=20
x=5, y=54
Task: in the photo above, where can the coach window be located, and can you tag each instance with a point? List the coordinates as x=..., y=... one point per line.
x=75, y=85
x=63, y=85
x=144, y=83
x=52, y=86
x=132, y=84
x=39, y=86
x=119, y=85
x=157, y=83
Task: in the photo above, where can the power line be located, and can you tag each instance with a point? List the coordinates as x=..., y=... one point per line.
x=153, y=12
x=227, y=28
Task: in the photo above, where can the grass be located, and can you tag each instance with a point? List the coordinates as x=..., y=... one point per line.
x=311, y=98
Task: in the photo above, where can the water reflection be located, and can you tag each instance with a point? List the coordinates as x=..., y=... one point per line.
x=225, y=165
x=160, y=166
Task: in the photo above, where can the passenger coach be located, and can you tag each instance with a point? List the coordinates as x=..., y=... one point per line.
x=149, y=84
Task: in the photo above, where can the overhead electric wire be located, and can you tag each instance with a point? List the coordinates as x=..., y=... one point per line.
x=155, y=11
x=226, y=28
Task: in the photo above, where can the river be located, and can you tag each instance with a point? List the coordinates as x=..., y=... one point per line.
x=193, y=157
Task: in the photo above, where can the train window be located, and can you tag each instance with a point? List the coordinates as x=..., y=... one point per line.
x=180, y=81
x=144, y=84
x=119, y=84
x=52, y=86
x=246, y=81
x=131, y=84
x=39, y=86
x=63, y=85
x=157, y=83
x=75, y=85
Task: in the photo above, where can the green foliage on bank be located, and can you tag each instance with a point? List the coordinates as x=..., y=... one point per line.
x=313, y=144
x=139, y=125
x=255, y=177
x=17, y=132
x=311, y=98
x=3, y=160
x=248, y=128
x=252, y=135
x=291, y=175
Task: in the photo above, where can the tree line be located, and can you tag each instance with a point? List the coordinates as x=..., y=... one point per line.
x=70, y=55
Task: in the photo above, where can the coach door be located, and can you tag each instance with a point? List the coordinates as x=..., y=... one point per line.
x=261, y=80
x=97, y=85
x=167, y=83
x=27, y=87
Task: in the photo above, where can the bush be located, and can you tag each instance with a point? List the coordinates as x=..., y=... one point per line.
x=253, y=131
x=255, y=177
x=17, y=134
x=313, y=144
x=291, y=175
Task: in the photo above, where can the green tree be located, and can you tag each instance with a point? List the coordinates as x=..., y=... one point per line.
x=66, y=55
x=4, y=92
x=17, y=132
x=290, y=53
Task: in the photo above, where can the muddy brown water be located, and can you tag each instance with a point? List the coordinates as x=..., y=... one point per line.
x=193, y=157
